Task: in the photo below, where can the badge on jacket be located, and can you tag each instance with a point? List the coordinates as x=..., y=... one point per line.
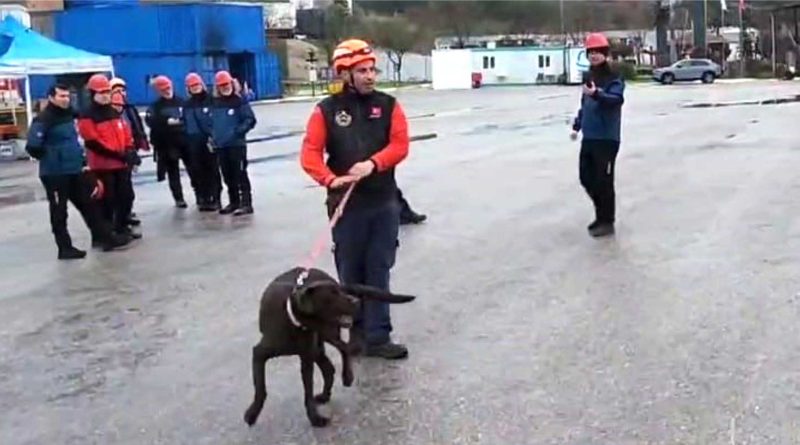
x=376, y=113
x=343, y=119
x=230, y=112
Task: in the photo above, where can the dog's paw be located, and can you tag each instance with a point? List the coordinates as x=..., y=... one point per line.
x=319, y=421
x=322, y=398
x=251, y=415
x=347, y=378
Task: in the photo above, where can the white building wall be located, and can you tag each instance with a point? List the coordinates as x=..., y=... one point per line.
x=452, y=69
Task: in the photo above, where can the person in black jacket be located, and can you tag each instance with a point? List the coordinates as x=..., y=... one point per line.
x=198, y=130
x=232, y=118
x=134, y=120
x=167, y=134
x=53, y=141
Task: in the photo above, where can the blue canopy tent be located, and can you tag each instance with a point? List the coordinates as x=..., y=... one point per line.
x=25, y=53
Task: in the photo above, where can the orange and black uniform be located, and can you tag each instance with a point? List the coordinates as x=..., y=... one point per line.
x=351, y=128
x=110, y=153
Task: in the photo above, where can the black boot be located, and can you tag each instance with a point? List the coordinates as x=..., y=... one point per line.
x=115, y=241
x=602, y=229
x=228, y=209
x=245, y=209
x=388, y=351
x=411, y=217
x=71, y=253
x=181, y=204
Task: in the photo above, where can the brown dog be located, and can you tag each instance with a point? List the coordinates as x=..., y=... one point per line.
x=297, y=320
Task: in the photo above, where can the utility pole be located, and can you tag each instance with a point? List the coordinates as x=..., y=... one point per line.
x=741, y=38
x=564, y=45
x=312, y=70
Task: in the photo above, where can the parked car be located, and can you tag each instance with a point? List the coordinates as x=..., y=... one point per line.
x=688, y=70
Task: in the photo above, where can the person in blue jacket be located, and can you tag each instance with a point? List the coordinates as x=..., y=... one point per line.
x=232, y=118
x=199, y=127
x=53, y=141
x=599, y=119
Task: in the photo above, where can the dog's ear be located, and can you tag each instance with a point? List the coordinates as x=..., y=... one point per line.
x=365, y=292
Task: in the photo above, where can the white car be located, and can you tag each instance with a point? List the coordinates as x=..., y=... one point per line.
x=688, y=70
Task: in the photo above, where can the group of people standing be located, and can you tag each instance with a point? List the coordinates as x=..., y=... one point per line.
x=207, y=132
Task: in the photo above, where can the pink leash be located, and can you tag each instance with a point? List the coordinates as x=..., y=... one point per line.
x=322, y=240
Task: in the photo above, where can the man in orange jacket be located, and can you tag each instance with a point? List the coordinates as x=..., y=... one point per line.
x=365, y=134
x=110, y=153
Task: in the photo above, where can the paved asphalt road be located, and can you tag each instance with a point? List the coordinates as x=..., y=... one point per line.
x=682, y=329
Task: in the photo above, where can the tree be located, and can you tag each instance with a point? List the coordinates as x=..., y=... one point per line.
x=339, y=24
x=396, y=35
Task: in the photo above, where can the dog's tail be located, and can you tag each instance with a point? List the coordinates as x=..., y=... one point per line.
x=373, y=293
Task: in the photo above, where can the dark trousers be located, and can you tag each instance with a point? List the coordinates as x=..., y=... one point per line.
x=117, y=202
x=233, y=162
x=597, y=162
x=169, y=158
x=206, y=171
x=76, y=189
x=405, y=208
x=365, y=247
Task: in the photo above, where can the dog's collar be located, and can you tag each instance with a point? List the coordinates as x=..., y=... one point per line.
x=292, y=316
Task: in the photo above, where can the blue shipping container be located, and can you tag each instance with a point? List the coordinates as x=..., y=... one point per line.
x=96, y=3
x=268, y=76
x=139, y=70
x=163, y=29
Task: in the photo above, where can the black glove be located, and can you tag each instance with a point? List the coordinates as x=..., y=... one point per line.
x=132, y=158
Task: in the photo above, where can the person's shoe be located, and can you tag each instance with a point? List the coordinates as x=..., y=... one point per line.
x=412, y=218
x=133, y=221
x=71, y=254
x=602, y=230
x=388, y=351
x=116, y=241
x=243, y=210
x=228, y=209
x=181, y=204
x=593, y=225
x=130, y=233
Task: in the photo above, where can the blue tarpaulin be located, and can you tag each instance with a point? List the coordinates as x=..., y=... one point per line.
x=28, y=52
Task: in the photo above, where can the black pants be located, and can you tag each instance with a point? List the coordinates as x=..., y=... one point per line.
x=233, y=162
x=405, y=208
x=117, y=202
x=169, y=157
x=76, y=189
x=365, y=247
x=206, y=171
x=597, y=162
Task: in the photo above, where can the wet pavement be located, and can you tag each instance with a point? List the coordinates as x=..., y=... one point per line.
x=681, y=329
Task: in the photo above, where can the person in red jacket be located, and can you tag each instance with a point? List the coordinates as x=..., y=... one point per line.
x=110, y=153
x=365, y=134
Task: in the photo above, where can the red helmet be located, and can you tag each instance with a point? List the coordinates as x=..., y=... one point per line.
x=193, y=79
x=596, y=40
x=161, y=83
x=98, y=82
x=222, y=78
x=350, y=53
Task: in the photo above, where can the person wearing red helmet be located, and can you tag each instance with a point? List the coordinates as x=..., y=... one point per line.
x=231, y=119
x=365, y=135
x=167, y=134
x=599, y=119
x=199, y=127
x=111, y=155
